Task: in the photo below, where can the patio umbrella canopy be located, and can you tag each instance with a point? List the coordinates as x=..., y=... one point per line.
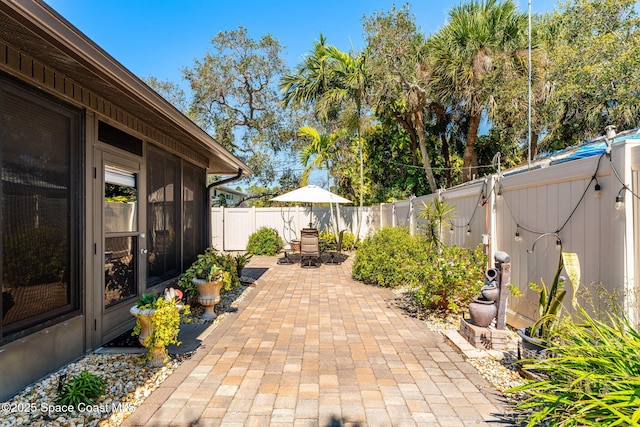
x=310, y=194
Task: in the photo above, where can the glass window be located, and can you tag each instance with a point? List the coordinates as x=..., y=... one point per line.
x=119, y=269
x=120, y=201
x=120, y=216
x=40, y=190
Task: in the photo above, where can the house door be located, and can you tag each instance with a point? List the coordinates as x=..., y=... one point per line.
x=120, y=249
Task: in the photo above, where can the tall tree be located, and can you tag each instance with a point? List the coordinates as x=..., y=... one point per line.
x=235, y=97
x=319, y=152
x=462, y=56
x=310, y=80
x=170, y=91
x=333, y=81
x=595, y=57
x=509, y=115
x=399, y=82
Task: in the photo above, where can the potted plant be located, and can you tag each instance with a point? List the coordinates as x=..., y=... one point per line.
x=158, y=323
x=550, y=304
x=241, y=261
x=207, y=278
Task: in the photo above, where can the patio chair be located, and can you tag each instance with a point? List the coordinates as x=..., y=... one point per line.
x=309, y=248
x=333, y=253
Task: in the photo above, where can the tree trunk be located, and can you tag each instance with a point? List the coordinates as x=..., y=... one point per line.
x=447, y=159
x=332, y=219
x=534, y=144
x=423, y=149
x=411, y=130
x=470, y=157
x=441, y=126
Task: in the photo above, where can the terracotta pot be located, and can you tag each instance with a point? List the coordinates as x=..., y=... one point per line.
x=482, y=312
x=295, y=245
x=208, y=296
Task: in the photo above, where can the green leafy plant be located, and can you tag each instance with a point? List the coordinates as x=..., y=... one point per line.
x=210, y=265
x=147, y=300
x=165, y=314
x=385, y=257
x=592, y=377
x=84, y=388
x=265, y=241
x=451, y=279
x=242, y=259
x=434, y=219
x=329, y=239
x=210, y=272
x=550, y=303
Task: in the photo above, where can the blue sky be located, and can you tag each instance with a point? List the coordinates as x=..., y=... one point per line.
x=161, y=37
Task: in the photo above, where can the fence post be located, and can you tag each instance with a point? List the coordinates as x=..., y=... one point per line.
x=222, y=215
x=393, y=214
x=412, y=222
x=494, y=186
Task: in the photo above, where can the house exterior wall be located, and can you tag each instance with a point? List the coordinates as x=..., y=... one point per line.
x=68, y=338
x=30, y=351
x=231, y=197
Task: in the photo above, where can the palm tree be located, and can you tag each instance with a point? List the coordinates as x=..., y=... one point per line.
x=310, y=80
x=463, y=54
x=320, y=147
x=319, y=153
x=349, y=85
x=330, y=79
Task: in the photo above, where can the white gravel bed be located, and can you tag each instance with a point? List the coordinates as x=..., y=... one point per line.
x=129, y=382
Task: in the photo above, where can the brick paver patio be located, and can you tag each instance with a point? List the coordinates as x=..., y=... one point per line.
x=312, y=347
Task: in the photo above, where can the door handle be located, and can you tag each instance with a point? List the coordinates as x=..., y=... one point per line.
x=143, y=251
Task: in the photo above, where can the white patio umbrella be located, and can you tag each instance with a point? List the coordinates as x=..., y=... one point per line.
x=311, y=194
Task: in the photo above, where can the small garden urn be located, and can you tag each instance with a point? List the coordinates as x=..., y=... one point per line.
x=143, y=316
x=157, y=354
x=158, y=323
x=208, y=295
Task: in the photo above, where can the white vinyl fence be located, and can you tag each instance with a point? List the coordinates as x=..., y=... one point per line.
x=549, y=204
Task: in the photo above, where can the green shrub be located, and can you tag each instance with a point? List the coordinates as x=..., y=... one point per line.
x=265, y=241
x=383, y=258
x=592, y=377
x=451, y=279
x=83, y=388
x=329, y=239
